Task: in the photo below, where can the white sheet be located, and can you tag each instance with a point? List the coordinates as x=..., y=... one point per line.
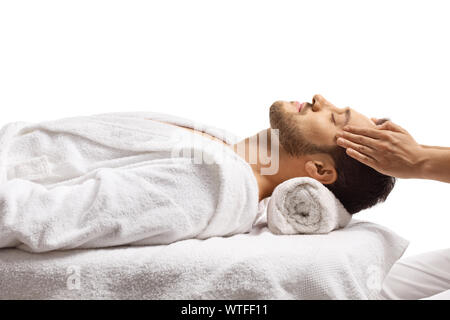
x=350, y=263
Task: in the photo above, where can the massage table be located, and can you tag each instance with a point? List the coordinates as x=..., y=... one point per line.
x=350, y=263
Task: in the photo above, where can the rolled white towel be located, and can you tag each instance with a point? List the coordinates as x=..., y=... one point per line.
x=304, y=205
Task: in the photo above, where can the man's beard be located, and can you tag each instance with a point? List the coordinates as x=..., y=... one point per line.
x=289, y=133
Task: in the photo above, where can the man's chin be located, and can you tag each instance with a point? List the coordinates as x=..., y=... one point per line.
x=276, y=113
x=277, y=105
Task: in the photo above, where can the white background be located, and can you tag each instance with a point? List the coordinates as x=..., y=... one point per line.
x=225, y=62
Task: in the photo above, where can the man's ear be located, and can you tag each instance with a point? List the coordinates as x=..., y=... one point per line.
x=323, y=172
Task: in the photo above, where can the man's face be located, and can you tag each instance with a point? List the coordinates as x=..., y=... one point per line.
x=305, y=126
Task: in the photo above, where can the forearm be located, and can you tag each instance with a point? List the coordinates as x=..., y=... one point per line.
x=435, y=147
x=435, y=163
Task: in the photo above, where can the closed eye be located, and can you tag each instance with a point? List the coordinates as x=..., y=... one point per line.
x=332, y=119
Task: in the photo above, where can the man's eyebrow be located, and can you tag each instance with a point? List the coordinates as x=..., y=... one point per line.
x=347, y=116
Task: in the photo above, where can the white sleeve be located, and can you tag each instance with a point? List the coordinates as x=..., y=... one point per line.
x=440, y=296
x=418, y=277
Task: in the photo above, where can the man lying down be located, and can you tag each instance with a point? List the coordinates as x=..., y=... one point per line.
x=150, y=178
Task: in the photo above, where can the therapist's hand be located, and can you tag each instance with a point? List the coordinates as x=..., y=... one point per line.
x=387, y=148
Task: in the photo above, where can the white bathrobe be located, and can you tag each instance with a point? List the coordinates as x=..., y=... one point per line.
x=120, y=178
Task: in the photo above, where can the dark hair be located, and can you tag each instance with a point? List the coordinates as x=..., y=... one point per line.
x=358, y=186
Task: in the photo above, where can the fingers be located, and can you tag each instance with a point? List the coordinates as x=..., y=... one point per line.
x=389, y=125
x=368, y=132
x=357, y=147
x=361, y=158
x=359, y=139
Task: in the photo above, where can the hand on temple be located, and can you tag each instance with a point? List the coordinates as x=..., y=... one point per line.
x=392, y=151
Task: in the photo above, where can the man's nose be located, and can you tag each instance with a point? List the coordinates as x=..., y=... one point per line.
x=318, y=102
